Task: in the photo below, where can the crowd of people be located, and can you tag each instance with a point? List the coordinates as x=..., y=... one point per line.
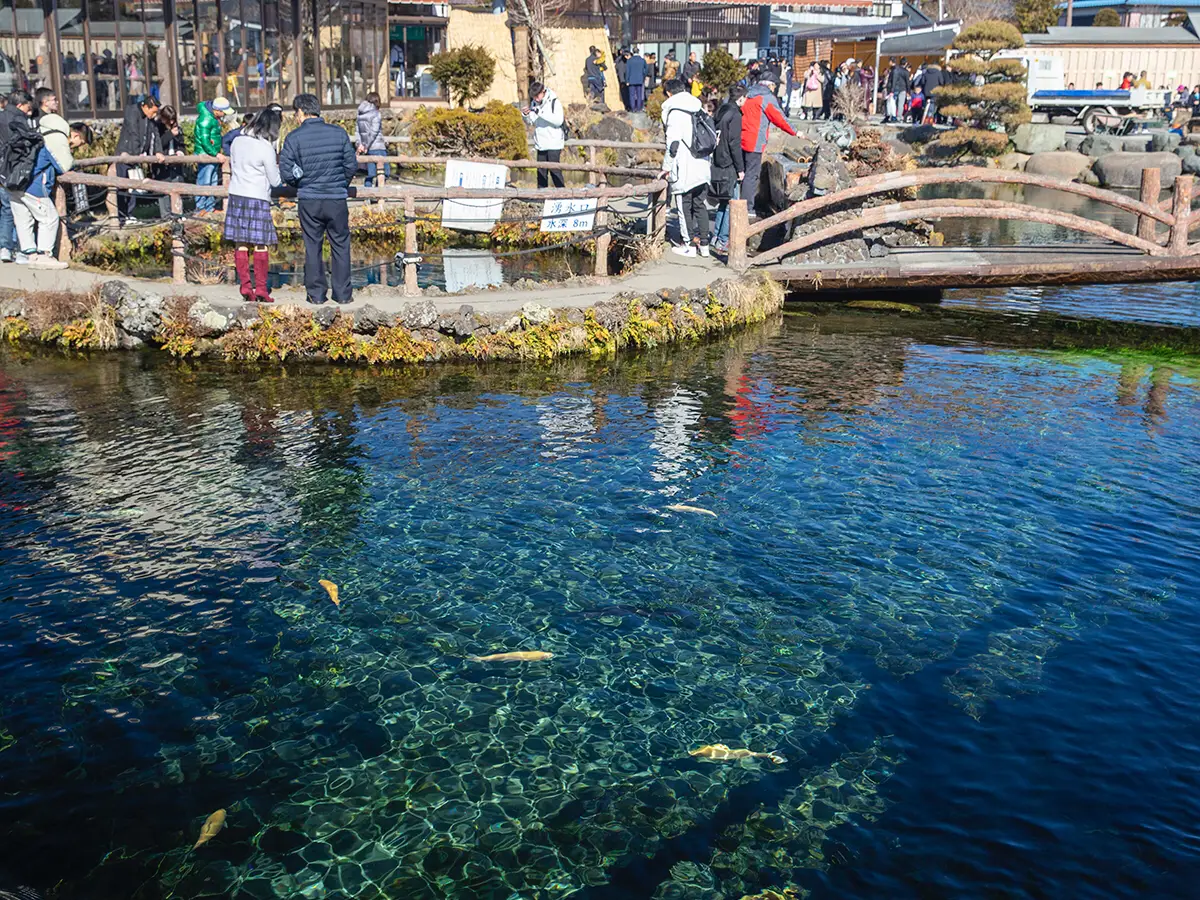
x=36, y=146
x=638, y=75
x=720, y=157
x=317, y=159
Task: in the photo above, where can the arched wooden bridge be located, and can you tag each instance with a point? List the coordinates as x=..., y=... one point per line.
x=1159, y=249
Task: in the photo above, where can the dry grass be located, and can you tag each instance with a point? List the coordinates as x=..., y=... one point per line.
x=644, y=250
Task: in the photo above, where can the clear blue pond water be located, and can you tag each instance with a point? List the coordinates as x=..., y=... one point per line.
x=954, y=583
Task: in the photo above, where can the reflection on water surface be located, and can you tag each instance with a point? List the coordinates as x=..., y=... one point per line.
x=953, y=586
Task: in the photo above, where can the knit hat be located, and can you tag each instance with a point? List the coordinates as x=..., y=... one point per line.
x=222, y=105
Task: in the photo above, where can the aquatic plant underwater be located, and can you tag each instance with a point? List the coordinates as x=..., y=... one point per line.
x=281, y=598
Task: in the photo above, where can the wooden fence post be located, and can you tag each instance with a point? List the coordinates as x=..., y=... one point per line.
x=659, y=208
x=110, y=196
x=1181, y=209
x=739, y=224
x=1151, y=187
x=410, y=247
x=64, y=239
x=178, y=250
x=602, y=239
x=591, y=175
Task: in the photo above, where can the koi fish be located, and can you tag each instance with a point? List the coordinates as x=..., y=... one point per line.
x=211, y=826
x=159, y=663
x=683, y=507
x=720, y=751
x=518, y=656
x=332, y=590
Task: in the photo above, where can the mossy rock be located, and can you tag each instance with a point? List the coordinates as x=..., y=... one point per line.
x=888, y=305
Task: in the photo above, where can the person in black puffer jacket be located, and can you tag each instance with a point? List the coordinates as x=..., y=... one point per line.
x=728, y=164
x=319, y=159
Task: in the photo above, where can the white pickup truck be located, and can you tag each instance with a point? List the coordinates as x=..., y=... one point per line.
x=1093, y=109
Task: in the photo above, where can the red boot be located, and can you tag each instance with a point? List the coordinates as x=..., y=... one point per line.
x=261, y=262
x=242, y=264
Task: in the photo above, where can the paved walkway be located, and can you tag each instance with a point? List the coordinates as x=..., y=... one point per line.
x=670, y=272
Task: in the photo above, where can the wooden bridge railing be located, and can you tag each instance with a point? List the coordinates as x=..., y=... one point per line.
x=654, y=191
x=1147, y=208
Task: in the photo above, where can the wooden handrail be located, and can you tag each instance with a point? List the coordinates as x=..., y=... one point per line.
x=433, y=192
x=894, y=181
x=200, y=159
x=894, y=213
x=573, y=142
x=176, y=190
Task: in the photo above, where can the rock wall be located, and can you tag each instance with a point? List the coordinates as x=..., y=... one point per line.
x=117, y=316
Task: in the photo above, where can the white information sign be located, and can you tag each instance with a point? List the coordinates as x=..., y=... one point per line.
x=569, y=215
x=473, y=215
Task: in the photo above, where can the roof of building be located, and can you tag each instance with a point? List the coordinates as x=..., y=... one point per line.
x=1090, y=34
x=868, y=29
x=918, y=44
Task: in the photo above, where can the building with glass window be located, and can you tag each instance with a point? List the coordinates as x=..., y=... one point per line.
x=99, y=54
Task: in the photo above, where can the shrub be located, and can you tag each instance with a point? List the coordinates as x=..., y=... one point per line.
x=465, y=73
x=1176, y=18
x=1107, y=18
x=497, y=132
x=721, y=70
x=654, y=104
x=990, y=100
x=1035, y=16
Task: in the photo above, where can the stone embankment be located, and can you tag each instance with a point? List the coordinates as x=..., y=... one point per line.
x=116, y=315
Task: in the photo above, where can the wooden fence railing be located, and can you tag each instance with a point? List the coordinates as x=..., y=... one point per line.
x=654, y=191
x=596, y=173
x=1174, y=242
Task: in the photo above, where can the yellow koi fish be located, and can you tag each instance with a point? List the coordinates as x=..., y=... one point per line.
x=211, y=826
x=518, y=656
x=683, y=507
x=720, y=751
x=332, y=590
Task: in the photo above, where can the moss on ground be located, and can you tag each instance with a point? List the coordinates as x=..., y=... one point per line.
x=283, y=333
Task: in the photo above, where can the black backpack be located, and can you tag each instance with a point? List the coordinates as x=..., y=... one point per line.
x=704, y=135
x=19, y=156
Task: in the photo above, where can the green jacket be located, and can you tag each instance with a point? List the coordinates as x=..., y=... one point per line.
x=208, y=131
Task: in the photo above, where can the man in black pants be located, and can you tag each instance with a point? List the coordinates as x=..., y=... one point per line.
x=545, y=114
x=319, y=159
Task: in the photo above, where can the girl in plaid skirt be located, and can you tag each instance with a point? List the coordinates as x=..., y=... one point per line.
x=254, y=171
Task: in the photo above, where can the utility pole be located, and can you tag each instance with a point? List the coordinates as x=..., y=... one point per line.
x=1070, y=11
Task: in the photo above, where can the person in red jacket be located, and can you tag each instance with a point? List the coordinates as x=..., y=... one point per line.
x=760, y=111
